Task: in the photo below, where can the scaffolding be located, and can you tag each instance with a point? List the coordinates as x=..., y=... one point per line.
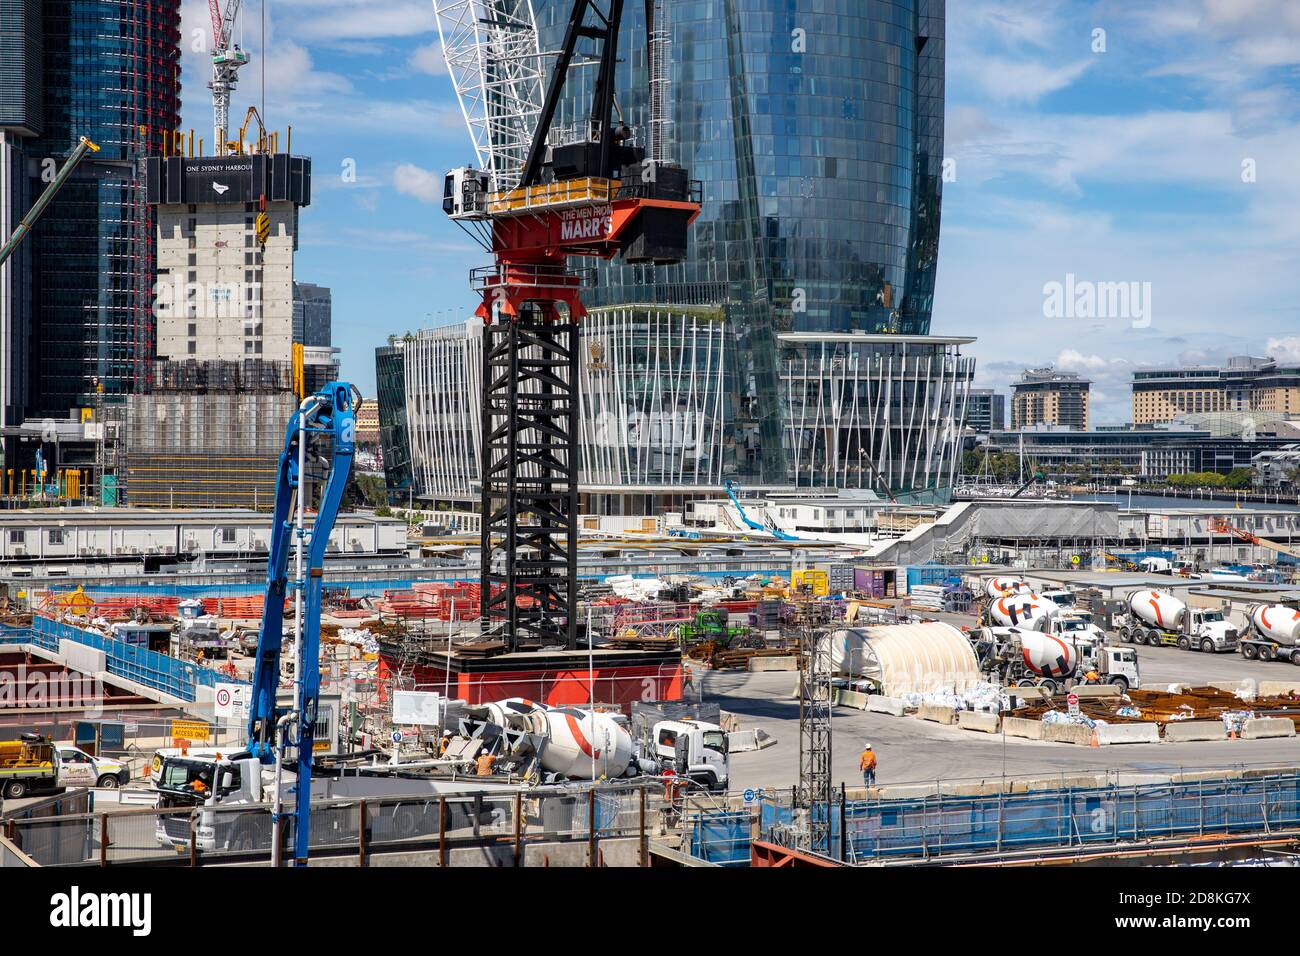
x=205, y=450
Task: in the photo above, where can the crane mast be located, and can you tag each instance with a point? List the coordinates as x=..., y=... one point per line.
x=534, y=206
x=227, y=58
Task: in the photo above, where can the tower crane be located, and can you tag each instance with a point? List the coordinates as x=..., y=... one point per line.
x=227, y=58
x=538, y=200
x=323, y=430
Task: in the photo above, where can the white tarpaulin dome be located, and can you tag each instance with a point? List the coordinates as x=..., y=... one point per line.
x=907, y=658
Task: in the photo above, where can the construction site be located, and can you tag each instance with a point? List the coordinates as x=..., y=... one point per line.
x=219, y=651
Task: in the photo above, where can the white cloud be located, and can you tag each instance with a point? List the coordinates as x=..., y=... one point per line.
x=1285, y=349
x=424, y=185
x=429, y=59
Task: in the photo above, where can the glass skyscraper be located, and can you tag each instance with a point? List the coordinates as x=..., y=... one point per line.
x=800, y=319
x=109, y=70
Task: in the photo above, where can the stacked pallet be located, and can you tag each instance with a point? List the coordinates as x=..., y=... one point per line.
x=926, y=597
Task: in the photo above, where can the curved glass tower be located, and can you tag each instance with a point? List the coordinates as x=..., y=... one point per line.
x=791, y=348
x=816, y=130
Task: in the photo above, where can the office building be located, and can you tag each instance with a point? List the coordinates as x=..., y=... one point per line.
x=1044, y=396
x=1245, y=383
x=986, y=411
x=312, y=315
x=76, y=327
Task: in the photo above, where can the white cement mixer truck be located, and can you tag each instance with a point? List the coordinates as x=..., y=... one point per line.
x=1273, y=634
x=1158, y=619
x=1054, y=659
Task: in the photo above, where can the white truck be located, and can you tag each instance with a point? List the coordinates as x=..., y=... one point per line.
x=34, y=765
x=1158, y=619
x=694, y=749
x=228, y=799
x=1272, y=634
x=1053, y=659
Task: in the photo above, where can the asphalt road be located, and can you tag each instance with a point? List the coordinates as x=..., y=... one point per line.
x=911, y=750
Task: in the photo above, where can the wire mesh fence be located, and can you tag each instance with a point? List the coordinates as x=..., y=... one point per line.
x=938, y=825
x=423, y=822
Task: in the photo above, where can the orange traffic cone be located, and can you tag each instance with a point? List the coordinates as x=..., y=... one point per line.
x=1094, y=742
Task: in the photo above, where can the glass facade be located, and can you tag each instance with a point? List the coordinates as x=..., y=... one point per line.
x=791, y=348
x=816, y=130
x=111, y=72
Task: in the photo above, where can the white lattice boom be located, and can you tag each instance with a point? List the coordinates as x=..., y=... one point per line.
x=495, y=64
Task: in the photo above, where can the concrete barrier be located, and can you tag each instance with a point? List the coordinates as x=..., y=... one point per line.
x=1260, y=727
x=886, y=705
x=1022, y=727
x=976, y=720
x=852, y=698
x=1143, y=733
x=1246, y=686
x=1166, y=688
x=1278, y=688
x=936, y=713
x=761, y=664
x=1180, y=730
x=1095, y=690
x=1068, y=734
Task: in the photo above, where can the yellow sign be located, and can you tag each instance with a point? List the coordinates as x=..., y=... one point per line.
x=263, y=226
x=191, y=729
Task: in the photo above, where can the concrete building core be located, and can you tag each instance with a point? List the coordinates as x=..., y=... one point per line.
x=222, y=295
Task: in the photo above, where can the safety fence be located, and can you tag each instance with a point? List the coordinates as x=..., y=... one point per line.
x=933, y=826
x=426, y=822
x=132, y=662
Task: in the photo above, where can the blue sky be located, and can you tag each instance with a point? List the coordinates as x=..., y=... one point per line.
x=1115, y=165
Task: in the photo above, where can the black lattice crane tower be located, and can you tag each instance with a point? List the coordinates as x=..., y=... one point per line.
x=593, y=196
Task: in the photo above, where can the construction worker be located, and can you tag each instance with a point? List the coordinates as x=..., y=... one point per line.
x=444, y=743
x=485, y=762
x=867, y=764
x=199, y=785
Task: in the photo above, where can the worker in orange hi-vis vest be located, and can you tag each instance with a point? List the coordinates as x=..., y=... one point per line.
x=867, y=764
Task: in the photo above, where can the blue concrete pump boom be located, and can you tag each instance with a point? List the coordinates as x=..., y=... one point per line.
x=326, y=419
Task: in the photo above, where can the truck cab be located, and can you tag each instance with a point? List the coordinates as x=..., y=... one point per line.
x=202, y=783
x=1115, y=665
x=694, y=749
x=1207, y=630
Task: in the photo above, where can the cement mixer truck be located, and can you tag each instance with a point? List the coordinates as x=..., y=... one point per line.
x=1273, y=634
x=1158, y=619
x=1053, y=659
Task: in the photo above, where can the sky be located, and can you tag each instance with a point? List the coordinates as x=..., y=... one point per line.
x=1122, y=176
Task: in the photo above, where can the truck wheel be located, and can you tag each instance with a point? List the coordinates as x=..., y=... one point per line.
x=1207, y=646
x=1048, y=685
x=1295, y=657
x=1249, y=651
x=108, y=781
x=1184, y=643
x=1120, y=682
x=1266, y=653
x=15, y=789
x=1153, y=638
x=1125, y=635
x=406, y=822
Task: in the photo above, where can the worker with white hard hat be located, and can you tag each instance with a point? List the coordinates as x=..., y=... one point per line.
x=867, y=764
